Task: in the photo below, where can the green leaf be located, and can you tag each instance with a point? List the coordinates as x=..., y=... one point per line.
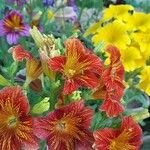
x=13, y=68
x=2, y=4
x=134, y=94
x=41, y=107
x=100, y=121
x=91, y=4
x=4, y=81
x=99, y=47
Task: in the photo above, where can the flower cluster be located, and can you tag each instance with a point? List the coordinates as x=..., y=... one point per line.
x=127, y=29
x=68, y=126
x=58, y=91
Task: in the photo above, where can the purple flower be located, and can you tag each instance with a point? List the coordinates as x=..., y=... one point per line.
x=18, y=2
x=13, y=27
x=72, y=4
x=48, y=3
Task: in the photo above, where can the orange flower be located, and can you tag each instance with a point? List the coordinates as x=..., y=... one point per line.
x=33, y=66
x=16, y=126
x=19, y=53
x=79, y=67
x=112, y=107
x=111, y=86
x=67, y=128
x=127, y=137
x=114, y=74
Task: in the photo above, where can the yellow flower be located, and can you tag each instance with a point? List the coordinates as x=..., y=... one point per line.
x=113, y=33
x=50, y=14
x=130, y=57
x=145, y=80
x=93, y=28
x=143, y=39
x=138, y=21
x=119, y=12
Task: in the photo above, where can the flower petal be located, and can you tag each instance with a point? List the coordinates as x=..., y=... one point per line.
x=89, y=79
x=2, y=29
x=130, y=125
x=73, y=45
x=112, y=108
x=12, y=38
x=19, y=53
x=16, y=97
x=56, y=63
x=70, y=86
x=103, y=138
x=25, y=31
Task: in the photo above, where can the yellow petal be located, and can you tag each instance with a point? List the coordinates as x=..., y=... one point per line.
x=138, y=21
x=113, y=33
x=129, y=58
x=145, y=80
x=117, y=11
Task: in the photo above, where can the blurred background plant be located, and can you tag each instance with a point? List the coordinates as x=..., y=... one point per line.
x=62, y=19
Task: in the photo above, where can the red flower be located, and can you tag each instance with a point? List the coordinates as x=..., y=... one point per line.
x=111, y=86
x=19, y=53
x=79, y=67
x=112, y=107
x=127, y=137
x=113, y=75
x=33, y=65
x=67, y=128
x=16, y=126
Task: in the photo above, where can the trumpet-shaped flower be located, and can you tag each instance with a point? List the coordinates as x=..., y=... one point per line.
x=79, y=67
x=13, y=27
x=127, y=137
x=145, y=80
x=16, y=126
x=66, y=128
x=119, y=12
x=113, y=33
